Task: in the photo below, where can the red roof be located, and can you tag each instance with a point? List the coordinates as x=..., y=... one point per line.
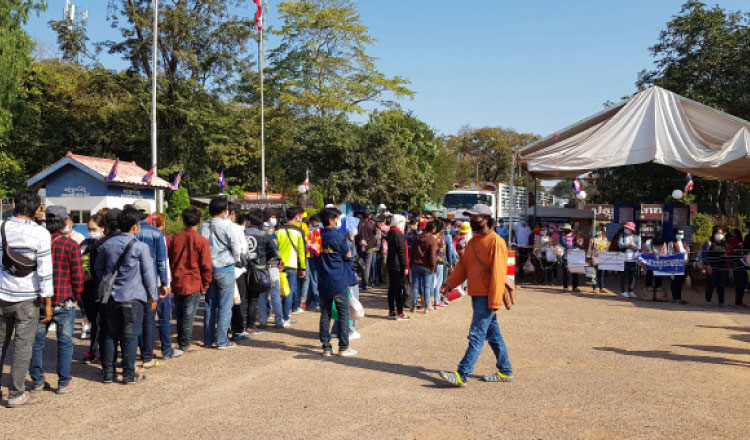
x=127, y=172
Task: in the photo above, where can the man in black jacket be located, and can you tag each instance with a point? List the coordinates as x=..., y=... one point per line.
x=398, y=268
x=264, y=254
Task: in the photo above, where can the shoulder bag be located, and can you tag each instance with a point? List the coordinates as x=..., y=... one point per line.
x=15, y=263
x=107, y=282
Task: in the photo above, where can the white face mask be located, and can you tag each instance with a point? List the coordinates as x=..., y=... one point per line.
x=66, y=230
x=272, y=222
x=680, y=237
x=95, y=235
x=719, y=237
x=338, y=223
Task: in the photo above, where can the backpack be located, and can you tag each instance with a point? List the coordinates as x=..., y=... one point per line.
x=15, y=263
x=258, y=278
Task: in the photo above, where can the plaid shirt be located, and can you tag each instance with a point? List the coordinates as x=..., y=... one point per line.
x=67, y=272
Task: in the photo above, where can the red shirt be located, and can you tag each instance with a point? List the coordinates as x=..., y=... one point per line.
x=67, y=272
x=190, y=261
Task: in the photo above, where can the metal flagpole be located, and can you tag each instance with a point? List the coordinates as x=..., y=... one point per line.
x=512, y=197
x=154, y=73
x=262, y=109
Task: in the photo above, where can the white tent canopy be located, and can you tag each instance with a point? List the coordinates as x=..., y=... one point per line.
x=655, y=125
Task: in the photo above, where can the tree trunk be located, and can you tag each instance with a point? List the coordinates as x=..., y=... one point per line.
x=731, y=199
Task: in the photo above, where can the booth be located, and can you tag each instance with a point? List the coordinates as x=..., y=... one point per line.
x=79, y=183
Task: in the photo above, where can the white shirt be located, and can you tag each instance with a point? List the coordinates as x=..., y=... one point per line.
x=33, y=241
x=522, y=234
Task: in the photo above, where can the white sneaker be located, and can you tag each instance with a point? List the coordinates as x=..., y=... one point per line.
x=354, y=335
x=624, y=295
x=348, y=352
x=298, y=310
x=632, y=295
x=287, y=324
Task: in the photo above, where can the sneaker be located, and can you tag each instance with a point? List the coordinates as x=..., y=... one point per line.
x=298, y=311
x=348, y=353
x=602, y=291
x=355, y=335
x=240, y=336
x=632, y=295
x=327, y=353
x=41, y=387
x=108, y=379
x=224, y=347
x=402, y=317
x=67, y=389
x=724, y=306
x=287, y=324
x=498, y=377
x=175, y=353
x=707, y=304
x=392, y=314
x=253, y=332
x=624, y=295
x=151, y=364
x=90, y=358
x=334, y=335
x=86, y=332
x=138, y=378
x=453, y=379
x=442, y=305
x=85, y=335
x=565, y=290
x=24, y=400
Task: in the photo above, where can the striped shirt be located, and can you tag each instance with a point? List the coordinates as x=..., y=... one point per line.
x=33, y=241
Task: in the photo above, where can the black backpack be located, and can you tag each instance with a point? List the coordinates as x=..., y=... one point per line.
x=258, y=279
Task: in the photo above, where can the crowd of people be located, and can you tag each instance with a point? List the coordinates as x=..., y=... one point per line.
x=250, y=270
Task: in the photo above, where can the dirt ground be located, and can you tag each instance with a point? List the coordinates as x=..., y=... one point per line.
x=587, y=367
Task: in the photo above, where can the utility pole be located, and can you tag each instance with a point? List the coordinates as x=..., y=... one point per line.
x=154, y=74
x=262, y=103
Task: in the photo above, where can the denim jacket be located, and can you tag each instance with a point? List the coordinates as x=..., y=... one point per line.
x=154, y=239
x=136, y=280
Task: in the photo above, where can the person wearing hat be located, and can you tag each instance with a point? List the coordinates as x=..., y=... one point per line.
x=154, y=239
x=68, y=285
x=679, y=246
x=485, y=266
x=629, y=244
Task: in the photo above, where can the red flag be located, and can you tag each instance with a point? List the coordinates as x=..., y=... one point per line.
x=307, y=180
x=113, y=172
x=259, y=15
x=148, y=176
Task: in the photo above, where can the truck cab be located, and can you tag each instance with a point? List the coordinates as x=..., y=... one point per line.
x=464, y=197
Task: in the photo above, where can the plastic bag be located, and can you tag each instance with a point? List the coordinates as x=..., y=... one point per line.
x=285, y=290
x=356, y=310
x=528, y=266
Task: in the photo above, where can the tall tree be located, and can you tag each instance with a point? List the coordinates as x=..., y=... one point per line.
x=322, y=62
x=486, y=153
x=704, y=54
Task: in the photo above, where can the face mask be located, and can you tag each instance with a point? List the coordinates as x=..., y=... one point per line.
x=338, y=223
x=628, y=232
x=543, y=232
x=476, y=225
x=680, y=237
x=272, y=222
x=95, y=235
x=719, y=237
x=523, y=224
x=66, y=230
x=545, y=240
x=598, y=233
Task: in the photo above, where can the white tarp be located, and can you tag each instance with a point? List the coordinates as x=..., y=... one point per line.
x=655, y=125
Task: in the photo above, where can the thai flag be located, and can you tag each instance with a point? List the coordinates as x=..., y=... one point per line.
x=689, y=185
x=307, y=180
x=259, y=15
x=176, y=183
x=222, y=182
x=113, y=172
x=577, y=185
x=148, y=176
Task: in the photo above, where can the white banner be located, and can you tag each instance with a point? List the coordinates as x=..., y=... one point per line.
x=613, y=261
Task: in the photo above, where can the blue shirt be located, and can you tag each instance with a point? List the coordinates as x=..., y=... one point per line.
x=502, y=231
x=136, y=279
x=334, y=265
x=154, y=239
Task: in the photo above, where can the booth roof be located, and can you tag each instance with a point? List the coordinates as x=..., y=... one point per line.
x=655, y=125
x=128, y=173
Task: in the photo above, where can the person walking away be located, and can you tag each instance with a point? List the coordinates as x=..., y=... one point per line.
x=384, y=249
x=714, y=256
x=154, y=239
x=89, y=250
x=67, y=278
x=333, y=280
x=596, y=246
x=423, y=262
x=225, y=254
x=239, y=302
x=568, y=242
x=190, y=262
x=451, y=260
x=313, y=251
x=264, y=253
x=25, y=284
x=736, y=252
x=485, y=266
x=397, y=264
x=134, y=289
x=368, y=242
x=678, y=246
x=291, y=242
x=629, y=244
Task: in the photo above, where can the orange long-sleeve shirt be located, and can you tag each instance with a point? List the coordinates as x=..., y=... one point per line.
x=493, y=252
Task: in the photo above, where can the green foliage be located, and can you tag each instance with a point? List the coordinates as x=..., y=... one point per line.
x=11, y=175
x=563, y=188
x=318, y=199
x=702, y=225
x=238, y=192
x=71, y=38
x=322, y=66
x=179, y=202
x=311, y=211
x=487, y=152
x=174, y=227
x=15, y=54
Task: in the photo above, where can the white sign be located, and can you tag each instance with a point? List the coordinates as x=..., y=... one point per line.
x=614, y=261
x=75, y=191
x=577, y=261
x=132, y=193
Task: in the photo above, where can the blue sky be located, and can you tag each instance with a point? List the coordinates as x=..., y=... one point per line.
x=532, y=66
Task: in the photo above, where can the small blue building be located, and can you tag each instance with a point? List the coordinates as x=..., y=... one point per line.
x=80, y=184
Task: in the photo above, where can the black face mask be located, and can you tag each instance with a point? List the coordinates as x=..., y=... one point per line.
x=476, y=225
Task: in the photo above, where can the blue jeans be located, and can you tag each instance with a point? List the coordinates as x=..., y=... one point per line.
x=164, y=309
x=421, y=279
x=124, y=322
x=599, y=279
x=439, y=277
x=313, y=296
x=275, y=303
x=184, y=312
x=291, y=276
x=484, y=327
x=218, y=313
x=326, y=307
x=303, y=286
x=147, y=338
x=65, y=321
x=374, y=273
